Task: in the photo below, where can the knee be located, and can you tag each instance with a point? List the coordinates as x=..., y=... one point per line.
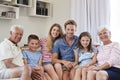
x=84, y=70
x=91, y=75
x=101, y=75
x=57, y=66
x=79, y=70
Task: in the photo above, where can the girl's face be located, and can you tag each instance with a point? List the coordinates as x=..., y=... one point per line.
x=85, y=40
x=33, y=44
x=55, y=32
x=104, y=35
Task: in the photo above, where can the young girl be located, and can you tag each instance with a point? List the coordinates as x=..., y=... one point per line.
x=46, y=48
x=86, y=56
x=32, y=57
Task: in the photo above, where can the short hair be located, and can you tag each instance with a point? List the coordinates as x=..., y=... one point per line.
x=14, y=27
x=32, y=36
x=103, y=28
x=72, y=22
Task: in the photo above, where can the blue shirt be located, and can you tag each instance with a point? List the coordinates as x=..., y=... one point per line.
x=32, y=57
x=85, y=57
x=64, y=50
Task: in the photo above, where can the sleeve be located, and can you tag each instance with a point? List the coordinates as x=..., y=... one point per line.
x=43, y=41
x=55, y=48
x=5, y=52
x=40, y=56
x=24, y=54
x=76, y=50
x=95, y=50
x=115, y=55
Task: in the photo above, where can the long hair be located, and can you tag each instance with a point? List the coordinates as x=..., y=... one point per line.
x=50, y=39
x=79, y=43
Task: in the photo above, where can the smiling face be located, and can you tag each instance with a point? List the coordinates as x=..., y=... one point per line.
x=85, y=40
x=70, y=30
x=16, y=35
x=55, y=32
x=33, y=45
x=104, y=35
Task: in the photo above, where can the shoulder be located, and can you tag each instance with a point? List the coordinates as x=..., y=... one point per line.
x=43, y=39
x=59, y=40
x=95, y=50
x=25, y=51
x=38, y=53
x=6, y=44
x=116, y=46
x=75, y=39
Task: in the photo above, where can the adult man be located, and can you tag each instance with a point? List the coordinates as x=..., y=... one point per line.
x=11, y=59
x=63, y=54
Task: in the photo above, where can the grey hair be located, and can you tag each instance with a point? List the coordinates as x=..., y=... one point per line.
x=103, y=28
x=13, y=28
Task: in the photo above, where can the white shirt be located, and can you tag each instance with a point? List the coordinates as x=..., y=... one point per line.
x=10, y=50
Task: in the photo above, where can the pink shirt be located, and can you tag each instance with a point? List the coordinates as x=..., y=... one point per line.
x=46, y=54
x=109, y=53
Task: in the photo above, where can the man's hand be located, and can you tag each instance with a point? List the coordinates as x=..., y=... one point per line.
x=68, y=64
x=37, y=73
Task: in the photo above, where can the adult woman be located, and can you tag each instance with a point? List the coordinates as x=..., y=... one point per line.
x=47, y=44
x=108, y=58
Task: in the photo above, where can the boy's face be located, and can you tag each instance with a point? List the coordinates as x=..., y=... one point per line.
x=33, y=44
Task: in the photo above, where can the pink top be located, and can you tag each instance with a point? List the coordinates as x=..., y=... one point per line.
x=109, y=53
x=46, y=55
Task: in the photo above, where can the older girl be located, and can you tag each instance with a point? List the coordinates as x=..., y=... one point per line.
x=47, y=44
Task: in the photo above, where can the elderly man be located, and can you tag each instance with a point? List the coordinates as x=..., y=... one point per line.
x=11, y=59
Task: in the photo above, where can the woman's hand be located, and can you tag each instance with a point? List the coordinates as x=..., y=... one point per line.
x=94, y=68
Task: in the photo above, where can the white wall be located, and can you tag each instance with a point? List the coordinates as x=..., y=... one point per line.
x=39, y=26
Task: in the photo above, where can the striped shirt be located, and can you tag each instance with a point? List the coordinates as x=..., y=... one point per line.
x=46, y=54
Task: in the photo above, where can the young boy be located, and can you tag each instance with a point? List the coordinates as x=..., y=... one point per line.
x=32, y=57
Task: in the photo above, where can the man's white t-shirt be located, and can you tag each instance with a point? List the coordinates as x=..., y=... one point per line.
x=10, y=50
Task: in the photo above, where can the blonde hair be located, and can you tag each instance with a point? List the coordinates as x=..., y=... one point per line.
x=50, y=39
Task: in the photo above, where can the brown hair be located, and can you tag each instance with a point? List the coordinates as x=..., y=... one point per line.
x=72, y=22
x=90, y=44
x=32, y=36
x=50, y=39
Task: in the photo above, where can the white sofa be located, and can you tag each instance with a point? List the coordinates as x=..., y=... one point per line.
x=11, y=79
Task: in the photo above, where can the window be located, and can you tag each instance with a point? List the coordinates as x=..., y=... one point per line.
x=115, y=19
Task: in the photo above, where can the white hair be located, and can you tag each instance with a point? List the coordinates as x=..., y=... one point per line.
x=103, y=28
x=13, y=28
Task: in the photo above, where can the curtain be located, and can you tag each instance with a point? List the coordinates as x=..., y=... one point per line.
x=89, y=15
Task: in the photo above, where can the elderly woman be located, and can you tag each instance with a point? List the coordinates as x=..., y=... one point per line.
x=108, y=58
